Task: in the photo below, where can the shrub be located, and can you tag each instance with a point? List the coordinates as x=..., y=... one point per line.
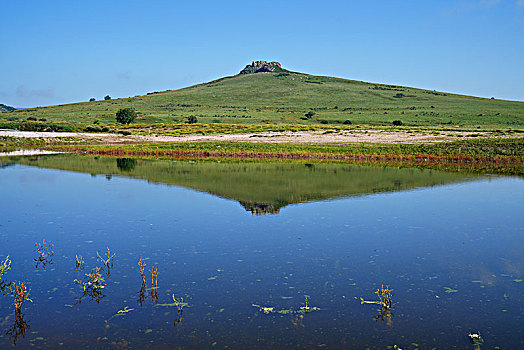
x=124, y=132
x=42, y=119
x=12, y=119
x=309, y=114
x=399, y=95
x=105, y=129
x=32, y=118
x=125, y=115
x=107, y=97
x=192, y=119
x=347, y=122
x=91, y=99
x=397, y=122
x=93, y=128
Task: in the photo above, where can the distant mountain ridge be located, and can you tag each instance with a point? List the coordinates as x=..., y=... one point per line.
x=6, y=108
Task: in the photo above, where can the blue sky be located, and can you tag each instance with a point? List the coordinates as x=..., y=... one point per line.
x=57, y=52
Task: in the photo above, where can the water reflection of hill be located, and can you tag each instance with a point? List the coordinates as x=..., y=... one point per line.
x=259, y=187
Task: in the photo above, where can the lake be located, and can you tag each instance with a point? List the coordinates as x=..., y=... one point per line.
x=264, y=255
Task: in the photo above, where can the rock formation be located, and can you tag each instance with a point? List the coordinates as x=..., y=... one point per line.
x=262, y=66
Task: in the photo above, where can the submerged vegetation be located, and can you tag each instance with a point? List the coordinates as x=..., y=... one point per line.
x=92, y=284
x=4, y=267
x=45, y=253
x=108, y=262
x=385, y=295
x=79, y=260
x=302, y=310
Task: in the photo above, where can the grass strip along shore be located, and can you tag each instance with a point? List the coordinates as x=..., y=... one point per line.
x=494, y=155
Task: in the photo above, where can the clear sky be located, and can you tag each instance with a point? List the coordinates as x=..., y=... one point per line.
x=57, y=52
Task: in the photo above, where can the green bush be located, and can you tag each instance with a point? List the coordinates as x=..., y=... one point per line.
x=192, y=119
x=309, y=114
x=397, y=122
x=125, y=115
x=32, y=118
x=93, y=128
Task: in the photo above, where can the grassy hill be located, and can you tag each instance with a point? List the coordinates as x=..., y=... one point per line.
x=285, y=98
x=5, y=108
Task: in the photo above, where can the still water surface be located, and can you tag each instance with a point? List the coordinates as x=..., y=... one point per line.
x=449, y=245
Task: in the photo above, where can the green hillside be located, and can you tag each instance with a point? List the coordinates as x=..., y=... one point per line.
x=286, y=97
x=259, y=187
x=5, y=108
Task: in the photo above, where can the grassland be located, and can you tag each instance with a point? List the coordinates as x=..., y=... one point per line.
x=279, y=100
x=495, y=155
x=294, y=102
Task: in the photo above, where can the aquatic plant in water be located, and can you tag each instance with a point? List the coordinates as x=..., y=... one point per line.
x=303, y=310
x=384, y=301
x=4, y=267
x=154, y=277
x=19, y=291
x=94, y=281
x=93, y=285
x=385, y=296
x=107, y=262
x=79, y=260
x=125, y=310
x=154, y=284
x=141, y=268
x=306, y=308
x=476, y=340
x=45, y=253
x=179, y=303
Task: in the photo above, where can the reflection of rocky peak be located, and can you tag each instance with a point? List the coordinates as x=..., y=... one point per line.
x=260, y=208
x=261, y=66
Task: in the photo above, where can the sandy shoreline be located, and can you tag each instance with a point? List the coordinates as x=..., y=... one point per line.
x=315, y=137
x=26, y=152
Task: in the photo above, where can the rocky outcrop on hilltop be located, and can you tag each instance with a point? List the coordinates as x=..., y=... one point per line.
x=262, y=66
